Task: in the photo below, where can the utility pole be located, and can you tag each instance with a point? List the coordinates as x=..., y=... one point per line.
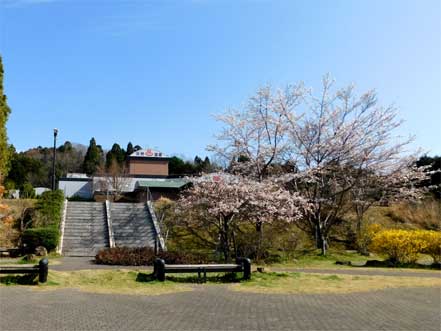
x=53, y=159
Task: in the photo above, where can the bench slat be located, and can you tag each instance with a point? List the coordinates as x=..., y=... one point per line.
x=161, y=269
x=196, y=266
x=173, y=270
x=19, y=270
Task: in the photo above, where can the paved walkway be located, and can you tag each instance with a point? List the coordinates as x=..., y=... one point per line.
x=217, y=308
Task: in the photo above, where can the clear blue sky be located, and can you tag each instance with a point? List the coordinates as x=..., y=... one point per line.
x=154, y=72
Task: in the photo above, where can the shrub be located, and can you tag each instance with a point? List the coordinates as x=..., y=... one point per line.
x=47, y=237
x=145, y=256
x=400, y=246
x=364, y=239
x=27, y=192
x=49, y=208
x=433, y=244
x=404, y=246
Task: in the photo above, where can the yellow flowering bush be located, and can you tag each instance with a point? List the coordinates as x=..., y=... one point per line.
x=364, y=239
x=401, y=246
x=433, y=244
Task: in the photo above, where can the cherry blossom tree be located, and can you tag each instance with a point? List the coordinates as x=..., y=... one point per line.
x=254, y=138
x=341, y=142
x=342, y=147
x=219, y=202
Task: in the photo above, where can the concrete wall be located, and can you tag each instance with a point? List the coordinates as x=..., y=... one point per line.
x=79, y=188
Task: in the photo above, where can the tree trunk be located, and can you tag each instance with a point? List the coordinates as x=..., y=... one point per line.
x=321, y=240
x=233, y=237
x=225, y=241
x=259, y=229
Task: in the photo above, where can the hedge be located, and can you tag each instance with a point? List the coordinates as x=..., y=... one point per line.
x=50, y=208
x=137, y=256
x=45, y=236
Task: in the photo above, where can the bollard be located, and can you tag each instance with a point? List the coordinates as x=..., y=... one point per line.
x=246, y=266
x=159, y=269
x=43, y=266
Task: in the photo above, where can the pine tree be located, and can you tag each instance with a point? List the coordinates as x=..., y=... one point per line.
x=92, y=158
x=129, y=150
x=206, y=165
x=4, y=112
x=115, y=154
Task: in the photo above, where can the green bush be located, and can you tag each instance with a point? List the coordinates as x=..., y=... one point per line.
x=27, y=192
x=50, y=208
x=47, y=237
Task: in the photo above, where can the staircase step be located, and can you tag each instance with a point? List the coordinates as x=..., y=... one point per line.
x=85, y=229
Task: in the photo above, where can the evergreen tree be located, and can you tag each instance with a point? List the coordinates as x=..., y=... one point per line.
x=206, y=165
x=176, y=166
x=115, y=154
x=197, y=161
x=4, y=112
x=129, y=150
x=65, y=148
x=93, y=157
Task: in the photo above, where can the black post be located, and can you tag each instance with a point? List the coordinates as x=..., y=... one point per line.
x=43, y=266
x=159, y=269
x=246, y=266
x=53, y=159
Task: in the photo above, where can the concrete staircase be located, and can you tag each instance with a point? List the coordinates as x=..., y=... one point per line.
x=132, y=225
x=85, y=229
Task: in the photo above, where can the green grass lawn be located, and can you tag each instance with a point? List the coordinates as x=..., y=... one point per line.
x=99, y=281
x=314, y=259
x=132, y=282
x=297, y=282
x=20, y=260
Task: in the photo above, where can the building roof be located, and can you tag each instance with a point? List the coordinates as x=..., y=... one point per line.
x=163, y=183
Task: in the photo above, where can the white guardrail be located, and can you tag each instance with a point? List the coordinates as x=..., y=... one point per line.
x=156, y=226
x=109, y=225
x=63, y=222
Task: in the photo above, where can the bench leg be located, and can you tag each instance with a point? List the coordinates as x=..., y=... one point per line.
x=159, y=269
x=43, y=266
x=246, y=266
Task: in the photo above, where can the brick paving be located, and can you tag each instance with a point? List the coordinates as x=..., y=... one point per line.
x=214, y=307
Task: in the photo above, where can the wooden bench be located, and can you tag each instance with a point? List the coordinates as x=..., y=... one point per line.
x=42, y=269
x=160, y=268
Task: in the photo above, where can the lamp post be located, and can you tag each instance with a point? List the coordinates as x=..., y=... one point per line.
x=53, y=159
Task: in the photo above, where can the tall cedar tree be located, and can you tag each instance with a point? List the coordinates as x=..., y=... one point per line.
x=115, y=154
x=93, y=158
x=4, y=112
x=129, y=149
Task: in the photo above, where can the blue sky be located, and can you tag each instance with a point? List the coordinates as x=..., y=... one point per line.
x=154, y=72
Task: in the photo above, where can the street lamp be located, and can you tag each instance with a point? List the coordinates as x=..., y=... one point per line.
x=53, y=159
